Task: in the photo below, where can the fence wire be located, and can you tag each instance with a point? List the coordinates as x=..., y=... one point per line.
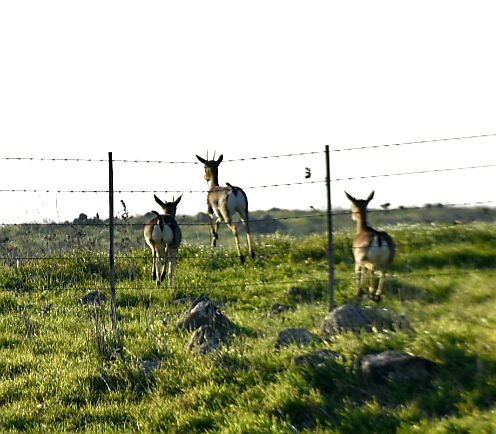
x=252, y=187
x=296, y=154
x=18, y=258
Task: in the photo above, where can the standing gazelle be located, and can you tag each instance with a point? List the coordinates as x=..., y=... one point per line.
x=225, y=202
x=163, y=235
x=372, y=250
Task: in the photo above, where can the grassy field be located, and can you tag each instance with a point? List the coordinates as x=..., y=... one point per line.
x=54, y=376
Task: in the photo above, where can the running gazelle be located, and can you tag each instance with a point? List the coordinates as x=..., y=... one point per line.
x=373, y=250
x=163, y=235
x=224, y=203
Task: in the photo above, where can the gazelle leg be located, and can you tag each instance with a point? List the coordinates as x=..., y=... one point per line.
x=371, y=281
x=359, y=279
x=234, y=230
x=163, y=274
x=172, y=258
x=165, y=261
x=214, y=227
x=248, y=237
x=157, y=268
x=380, y=286
x=154, y=265
x=215, y=233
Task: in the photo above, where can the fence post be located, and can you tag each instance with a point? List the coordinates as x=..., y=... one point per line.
x=111, y=245
x=330, y=241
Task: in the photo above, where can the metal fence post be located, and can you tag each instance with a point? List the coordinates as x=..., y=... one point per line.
x=330, y=240
x=111, y=244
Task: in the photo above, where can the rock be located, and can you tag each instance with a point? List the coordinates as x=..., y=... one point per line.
x=93, y=297
x=202, y=312
x=350, y=317
x=397, y=366
x=298, y=336
x=317, y=359
x=206, y=338
x=211, y=327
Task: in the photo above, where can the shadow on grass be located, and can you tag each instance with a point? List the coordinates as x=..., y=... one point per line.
x=399, y=288
x=355, y=403
x=466, y=258
x=308, y=293
x=403, y=290
x=123, y=377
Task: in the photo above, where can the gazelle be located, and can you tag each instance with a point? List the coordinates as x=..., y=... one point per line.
x=225, y=202
x=372, y=250
x=163, y=235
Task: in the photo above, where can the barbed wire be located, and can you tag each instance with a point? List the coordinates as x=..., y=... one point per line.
x=100, y=160
x=289, y=184
x=134, y=280
x=416, y=172
x=42, y=190
x=296, y=154
x=418, y=142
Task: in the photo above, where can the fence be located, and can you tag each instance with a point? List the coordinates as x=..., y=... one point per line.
x=103, y=229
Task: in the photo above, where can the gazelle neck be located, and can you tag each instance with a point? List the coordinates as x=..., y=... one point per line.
x=361, y=221
x=212, y=177
x=214, y=182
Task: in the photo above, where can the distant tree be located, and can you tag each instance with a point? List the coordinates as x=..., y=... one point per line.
x=267, y=225
x=83, y=218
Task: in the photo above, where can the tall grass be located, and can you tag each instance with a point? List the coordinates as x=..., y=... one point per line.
x=54, y=377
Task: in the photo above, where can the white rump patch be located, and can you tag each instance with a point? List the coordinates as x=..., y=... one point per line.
x=378, y=254
x=165, y=236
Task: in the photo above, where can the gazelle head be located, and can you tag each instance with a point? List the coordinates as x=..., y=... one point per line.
x=359, y=206
x=169, y=208
x=211, y=167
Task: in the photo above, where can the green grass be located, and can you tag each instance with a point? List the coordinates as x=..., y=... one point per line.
x=54, y=378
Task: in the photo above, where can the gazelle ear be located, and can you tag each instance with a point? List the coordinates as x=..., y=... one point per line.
x=219, y=160
x=201, y=160
x=371, y=196
x=158, y=201
x=178, y=200
x=349, y=196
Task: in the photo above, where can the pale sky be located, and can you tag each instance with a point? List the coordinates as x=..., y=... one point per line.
x=161, y=80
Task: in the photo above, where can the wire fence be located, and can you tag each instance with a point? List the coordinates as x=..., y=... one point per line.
x=89, y=237
x=298, y=154
x=252, y=187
